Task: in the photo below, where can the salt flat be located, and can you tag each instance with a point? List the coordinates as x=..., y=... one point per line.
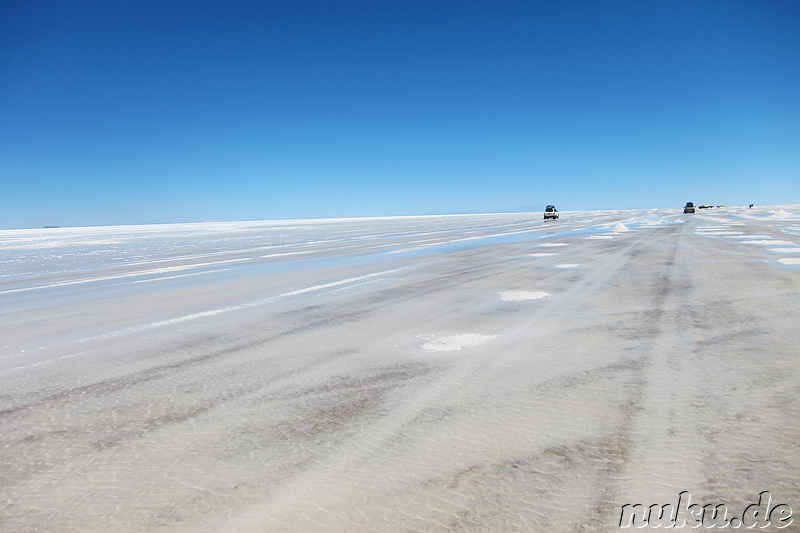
x=453, y=373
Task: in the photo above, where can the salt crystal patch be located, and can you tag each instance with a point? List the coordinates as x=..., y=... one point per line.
x=450, y=343
x=770, y=242
x=541, y=254
x=518, y=296
x=600, y=237
x=568, y=265
x=787, y=250
x=789, y=260
x=550, y=244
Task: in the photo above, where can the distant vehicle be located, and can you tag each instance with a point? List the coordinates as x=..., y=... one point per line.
x=705, y=206
x=550, y=212
x=689, y=208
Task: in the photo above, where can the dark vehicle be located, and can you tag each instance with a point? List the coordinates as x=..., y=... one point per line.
x=689, y=208
x=550, y=212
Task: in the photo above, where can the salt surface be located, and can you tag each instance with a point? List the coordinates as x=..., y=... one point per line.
x=769, y=242
x=780, y=214
x=518, y=296
x=449, y=343
x=277, y=378
x=786, y=250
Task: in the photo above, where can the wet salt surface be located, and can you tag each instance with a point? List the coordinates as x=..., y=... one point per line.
x=421, y=373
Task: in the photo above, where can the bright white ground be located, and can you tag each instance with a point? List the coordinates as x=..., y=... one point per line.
x=466, y=373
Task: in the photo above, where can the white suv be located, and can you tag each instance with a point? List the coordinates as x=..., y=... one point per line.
x=550, y=212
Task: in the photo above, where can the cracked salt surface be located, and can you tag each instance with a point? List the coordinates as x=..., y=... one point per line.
x=301, y=376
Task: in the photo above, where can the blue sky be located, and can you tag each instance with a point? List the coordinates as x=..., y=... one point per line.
x=117, y=112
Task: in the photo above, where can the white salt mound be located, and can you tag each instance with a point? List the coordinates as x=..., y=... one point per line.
x=451, y=343
x=620, y=228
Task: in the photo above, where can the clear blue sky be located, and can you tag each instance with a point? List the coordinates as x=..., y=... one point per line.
x=125, y=112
